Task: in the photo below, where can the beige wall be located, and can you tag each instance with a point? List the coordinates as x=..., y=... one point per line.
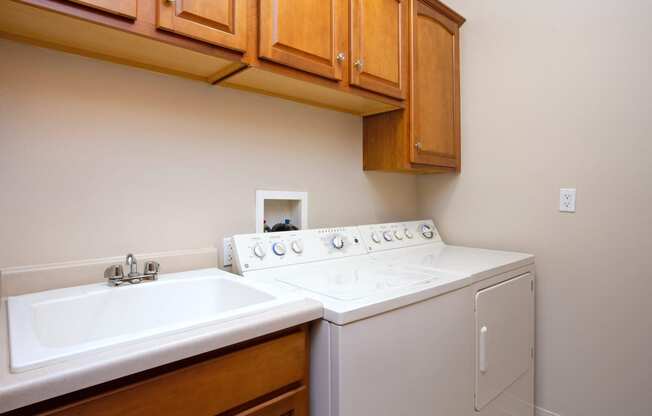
x=98, y=159
x=557, y=94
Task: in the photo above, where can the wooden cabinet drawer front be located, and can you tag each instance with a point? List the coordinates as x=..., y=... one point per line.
x=293, y=403
x=207, y=388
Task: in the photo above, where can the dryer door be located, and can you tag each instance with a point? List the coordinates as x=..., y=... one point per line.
x=504, y=319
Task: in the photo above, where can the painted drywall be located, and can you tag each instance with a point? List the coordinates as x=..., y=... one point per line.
x=99, y=159
x=557, y=94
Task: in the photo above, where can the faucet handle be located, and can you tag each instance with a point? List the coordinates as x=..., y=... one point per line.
x=114, y=273
x=151, y=268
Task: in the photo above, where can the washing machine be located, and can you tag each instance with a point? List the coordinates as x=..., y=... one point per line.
x=401, y=335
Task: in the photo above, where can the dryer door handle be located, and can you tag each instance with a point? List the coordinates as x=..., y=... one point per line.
x=482, y=359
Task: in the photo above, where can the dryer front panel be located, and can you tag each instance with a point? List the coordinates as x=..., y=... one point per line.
x=504, y=324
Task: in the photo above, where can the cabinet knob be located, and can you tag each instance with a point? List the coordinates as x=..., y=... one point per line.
x=418, y=146
x=358, y=64
x=170, y=1
x=340, y=57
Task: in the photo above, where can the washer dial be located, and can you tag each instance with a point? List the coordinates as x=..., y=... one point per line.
x=408, y=234
x=375, y=237
x=337, y=242
x=398, y=235
x=297, y=246
x=388, y=236
x=279, y=249
x=426, y=231
x=259, y=251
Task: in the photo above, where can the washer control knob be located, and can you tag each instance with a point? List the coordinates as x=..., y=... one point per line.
x=398, y=234
x=337, y=242
x=279, y=249
x=375, y=237
x=388, y=236
x=297, y=247
x=426, y=231
x=259, y=251
x=409, y=234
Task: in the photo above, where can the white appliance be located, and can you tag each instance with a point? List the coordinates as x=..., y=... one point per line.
x=405, y=331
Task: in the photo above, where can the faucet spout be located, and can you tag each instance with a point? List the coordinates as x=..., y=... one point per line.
x=133, y=265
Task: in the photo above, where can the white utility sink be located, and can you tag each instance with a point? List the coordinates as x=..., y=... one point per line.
x=55, y=325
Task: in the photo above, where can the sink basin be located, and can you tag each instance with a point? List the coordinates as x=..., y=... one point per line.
x=56, y=325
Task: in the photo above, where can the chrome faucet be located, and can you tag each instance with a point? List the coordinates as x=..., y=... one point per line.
x=116, y=277
x=133, y=265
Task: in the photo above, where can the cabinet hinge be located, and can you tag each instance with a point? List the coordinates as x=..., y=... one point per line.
x=532, y=285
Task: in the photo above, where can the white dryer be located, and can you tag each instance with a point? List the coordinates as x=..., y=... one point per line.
x=502, y=286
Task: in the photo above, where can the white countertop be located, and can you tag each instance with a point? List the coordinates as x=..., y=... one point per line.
x=21, y=389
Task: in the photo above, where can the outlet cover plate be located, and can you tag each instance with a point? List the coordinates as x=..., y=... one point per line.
x=567, y=198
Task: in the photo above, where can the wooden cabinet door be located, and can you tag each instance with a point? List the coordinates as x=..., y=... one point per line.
x=213, y=386
x=293, y=403
x=220, y=22
x=309, y=35
x=435, y=138
x=378, y=52
x=124, y=8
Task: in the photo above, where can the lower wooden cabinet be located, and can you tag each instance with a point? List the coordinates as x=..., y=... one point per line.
x=424, y=137
x=268, y=377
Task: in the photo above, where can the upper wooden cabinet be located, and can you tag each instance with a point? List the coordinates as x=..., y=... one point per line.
x=378, y=46
x=309, y=35
x=124, y=8
x=435, y=88
x=220, y=22
x=425, y=136
x=366, y=57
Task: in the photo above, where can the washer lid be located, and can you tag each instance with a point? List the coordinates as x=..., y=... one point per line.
x=346, y=283
x=355, y=288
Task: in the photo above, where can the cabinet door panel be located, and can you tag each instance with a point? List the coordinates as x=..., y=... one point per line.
x=306, y=35
x=435, y=92
x=125, y=8
x=293, y=403
x=220, y=22
x=378, y=34
x=210, y=387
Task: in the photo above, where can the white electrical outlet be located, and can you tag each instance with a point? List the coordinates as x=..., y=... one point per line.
x=227, y=252
x=567, y=198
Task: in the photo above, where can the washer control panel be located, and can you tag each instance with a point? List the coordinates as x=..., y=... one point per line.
x=267, y=250
x=378, y=237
